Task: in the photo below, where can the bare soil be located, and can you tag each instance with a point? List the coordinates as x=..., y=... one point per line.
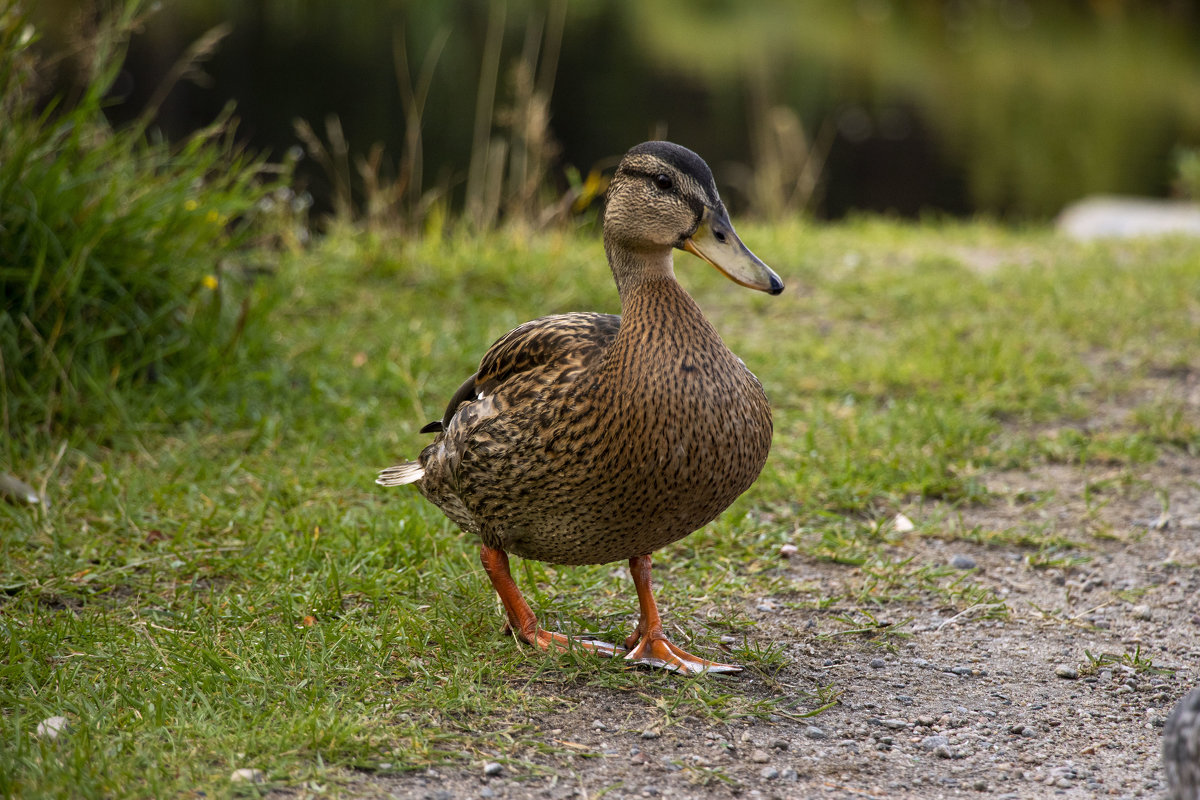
x=963, y=706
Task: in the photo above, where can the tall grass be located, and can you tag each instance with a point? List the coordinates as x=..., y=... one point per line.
x=122, y=257
x=510, y=178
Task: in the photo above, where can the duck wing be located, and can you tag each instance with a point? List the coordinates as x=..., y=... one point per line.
x=573, y=341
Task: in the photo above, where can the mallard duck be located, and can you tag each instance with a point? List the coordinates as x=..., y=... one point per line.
x=1181, y=748
x=587, y=438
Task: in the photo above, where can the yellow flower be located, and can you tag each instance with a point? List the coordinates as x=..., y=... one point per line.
x=209, y=282
x=213, y=216
x=190, y=205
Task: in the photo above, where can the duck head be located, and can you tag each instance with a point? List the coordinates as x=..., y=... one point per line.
x=662, y=197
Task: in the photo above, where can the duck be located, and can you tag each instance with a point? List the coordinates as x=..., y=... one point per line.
x=590, y=438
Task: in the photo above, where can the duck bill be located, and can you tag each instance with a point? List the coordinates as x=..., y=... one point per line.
x=715, y=242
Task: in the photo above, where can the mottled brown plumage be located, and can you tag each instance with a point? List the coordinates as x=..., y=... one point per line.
x=589, y=438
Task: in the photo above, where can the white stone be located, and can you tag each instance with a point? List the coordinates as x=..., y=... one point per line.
x=246, y=775
x=51, y=727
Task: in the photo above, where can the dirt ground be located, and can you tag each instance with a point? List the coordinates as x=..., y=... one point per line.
x=965, y=706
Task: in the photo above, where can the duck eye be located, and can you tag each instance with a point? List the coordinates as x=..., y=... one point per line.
x=663, y=182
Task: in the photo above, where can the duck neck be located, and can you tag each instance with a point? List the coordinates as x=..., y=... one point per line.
x=636, y=271
x=658, y=318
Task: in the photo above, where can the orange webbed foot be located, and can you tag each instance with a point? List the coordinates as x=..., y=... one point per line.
x=551, y=640
x=648, y=644
x=656, y=650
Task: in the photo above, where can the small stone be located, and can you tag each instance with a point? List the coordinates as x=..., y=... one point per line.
x=245, y=775
x=980, y=786
x=1066, y=671
x=780, y=744
x=650, y=791
x=926, y=721
x=760, y=757
x=943, y=751
x=962, y=561
x=878, y=663
x=902, y=524
x=788, y=550
x=815, y=732
x=598, y=725
x=770, y=773
x=1142, y=612
x=493, y=768
x=487, y=791
x=934, y=742
x=651, y=733
x=790, y=774
x=638, y=759
x=51, y=727
x=894, y=724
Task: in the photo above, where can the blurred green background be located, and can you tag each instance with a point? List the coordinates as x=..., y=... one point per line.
x=1010, y=108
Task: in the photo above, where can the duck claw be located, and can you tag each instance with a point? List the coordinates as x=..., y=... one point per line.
x=549, y=640
x=662, y=654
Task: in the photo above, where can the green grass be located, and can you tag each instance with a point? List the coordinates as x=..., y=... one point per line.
x=235, y=591
x=125, y=271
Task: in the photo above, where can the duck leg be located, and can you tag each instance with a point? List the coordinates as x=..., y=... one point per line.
x=652, y=646
x=521, y=618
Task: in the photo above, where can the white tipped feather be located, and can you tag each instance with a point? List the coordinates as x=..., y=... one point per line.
x=408, y=472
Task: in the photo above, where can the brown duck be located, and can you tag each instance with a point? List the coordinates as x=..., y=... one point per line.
x=588, y=438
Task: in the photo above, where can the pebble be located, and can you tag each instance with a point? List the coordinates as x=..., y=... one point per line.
x=51, y=727
x=1066, y=671
x=934, y=742
x=598, y=725
x=943, y=751
x=790, y=774
x=878, y=663
x=770, y=773
x=788, y=550
x=247, y=775
x=487, y=792
x=1142, y=612
x=780, y=744
x=650, y=733
x=493, y=768
x=962, y=561
x=894, y=724
x=760, y=757
x=815, y=732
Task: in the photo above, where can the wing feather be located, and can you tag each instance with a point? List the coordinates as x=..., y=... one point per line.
x=580, y=336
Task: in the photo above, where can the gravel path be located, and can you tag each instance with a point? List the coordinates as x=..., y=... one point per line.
x=964, y=706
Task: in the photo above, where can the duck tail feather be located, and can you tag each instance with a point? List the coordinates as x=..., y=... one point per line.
x=408, y=472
